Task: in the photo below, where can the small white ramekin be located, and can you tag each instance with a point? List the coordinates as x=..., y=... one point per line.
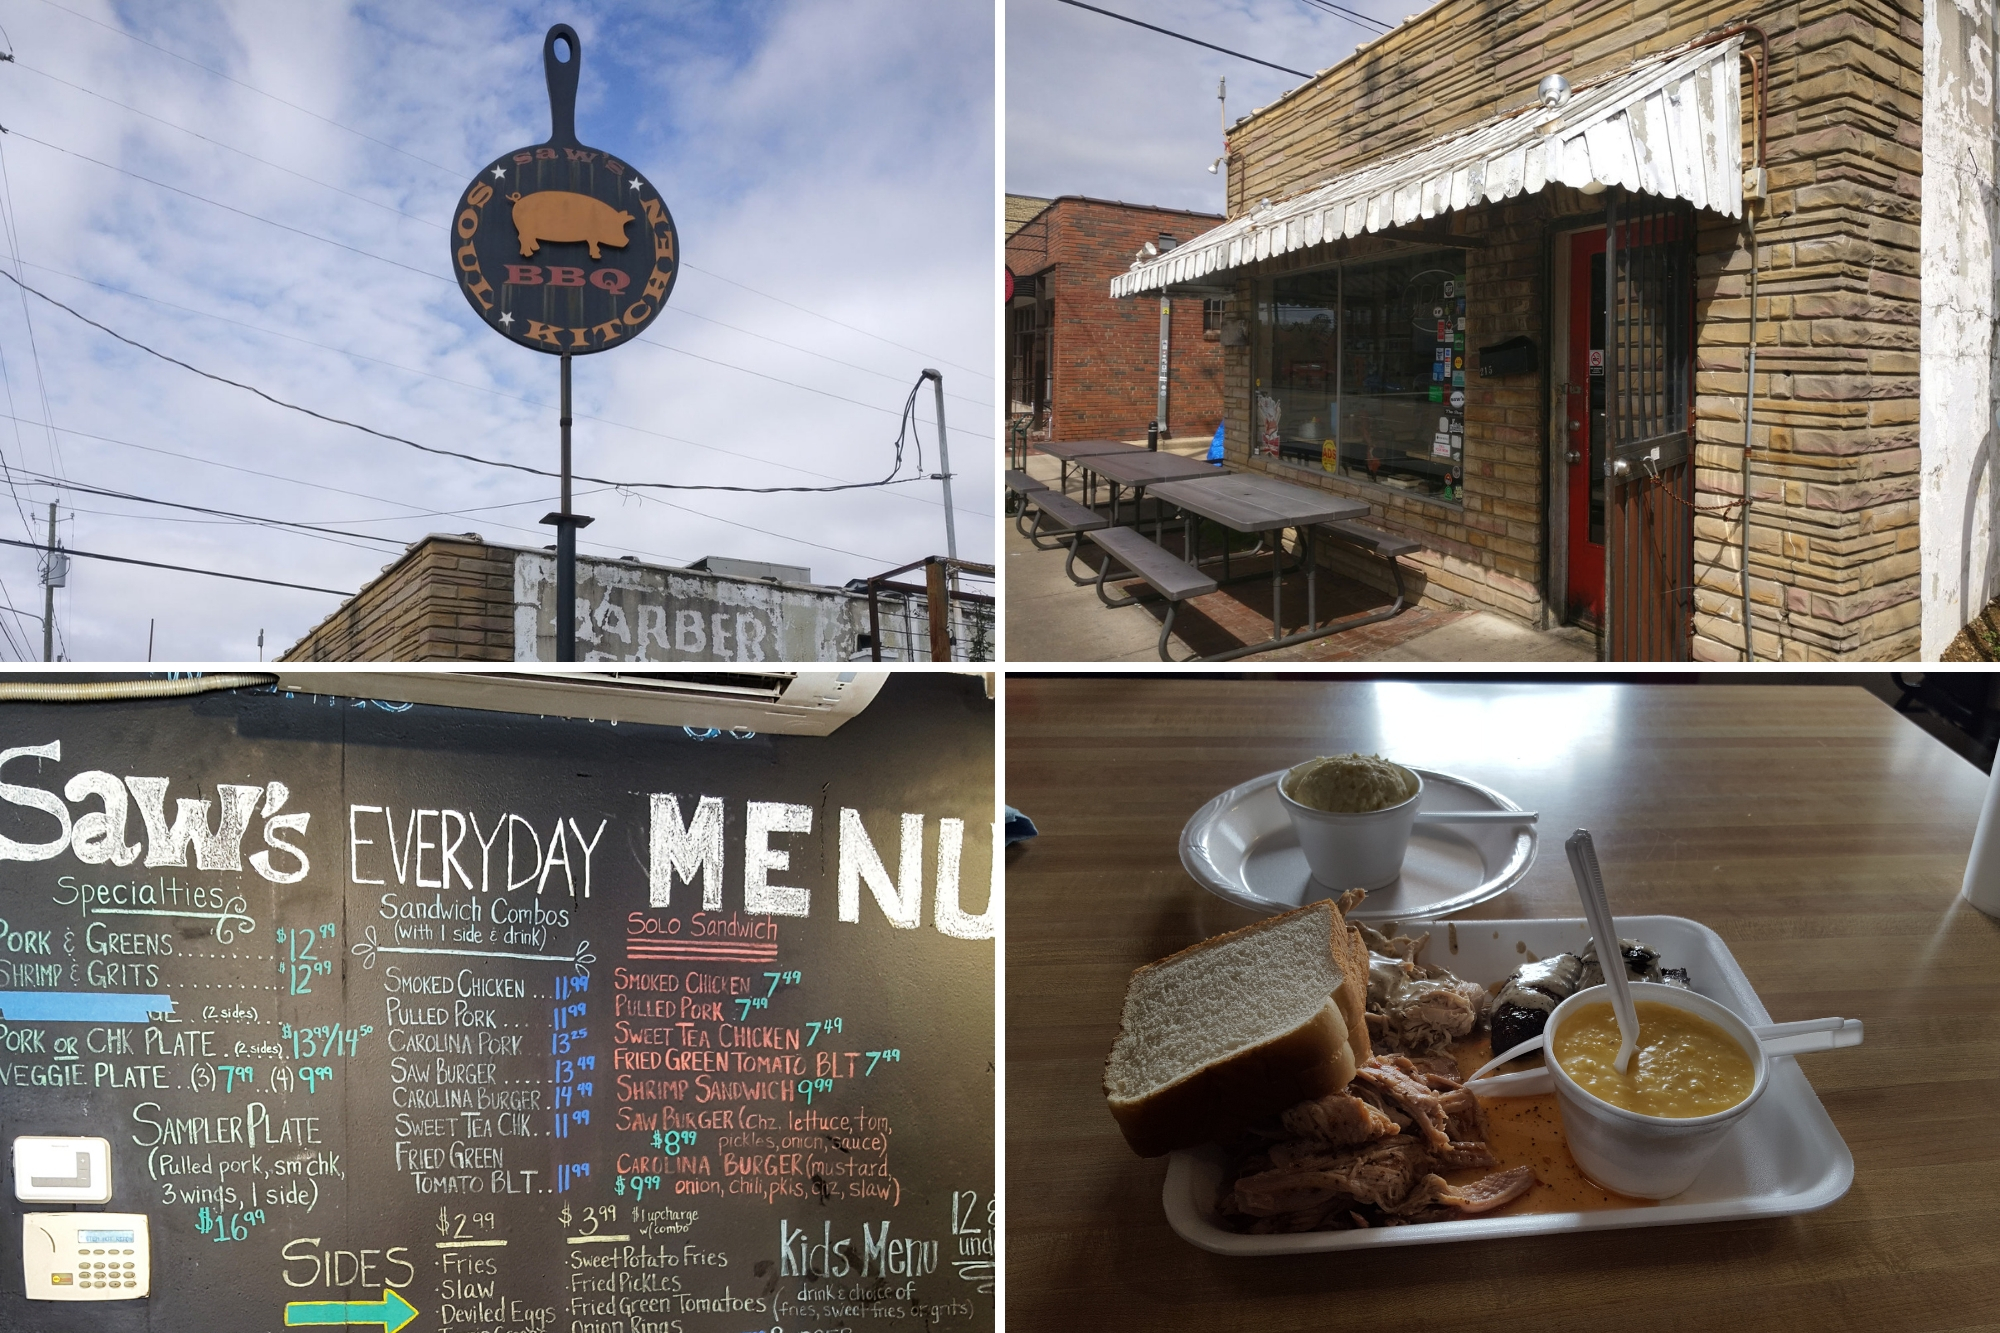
x=1354, y=851
x=1647, y=1156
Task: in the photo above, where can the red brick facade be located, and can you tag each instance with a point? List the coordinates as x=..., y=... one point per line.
x=1103, y=355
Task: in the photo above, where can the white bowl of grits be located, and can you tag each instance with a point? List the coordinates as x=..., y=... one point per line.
x=1353, y=814
x=1649, y=1131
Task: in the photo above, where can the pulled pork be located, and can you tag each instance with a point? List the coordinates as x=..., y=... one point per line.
x=1370, y=1156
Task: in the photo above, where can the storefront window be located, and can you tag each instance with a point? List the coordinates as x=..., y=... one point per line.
x=1361, y=372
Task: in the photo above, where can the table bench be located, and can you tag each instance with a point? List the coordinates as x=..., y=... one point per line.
x=1023, y=484
x=1388, y=545
x=1169, y=576
x=1065, y=518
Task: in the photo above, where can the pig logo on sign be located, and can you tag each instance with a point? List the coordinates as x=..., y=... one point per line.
x=562, y=215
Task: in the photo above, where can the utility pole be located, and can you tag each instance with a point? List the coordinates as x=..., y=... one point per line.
x=944, y=462
x=54, y=575
x=936, y=377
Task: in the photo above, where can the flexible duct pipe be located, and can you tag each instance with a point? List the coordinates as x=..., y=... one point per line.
x=102, y=691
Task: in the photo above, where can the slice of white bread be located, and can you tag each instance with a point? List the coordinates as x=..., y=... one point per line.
x=1353, y=995
x=1233, y=1030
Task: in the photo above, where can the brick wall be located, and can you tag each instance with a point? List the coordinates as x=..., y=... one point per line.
x=447, y=599
x=1832, y=524
x=1106, y=353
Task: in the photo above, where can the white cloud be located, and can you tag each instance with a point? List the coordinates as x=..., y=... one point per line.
x=835, y=155
x=1102, y=108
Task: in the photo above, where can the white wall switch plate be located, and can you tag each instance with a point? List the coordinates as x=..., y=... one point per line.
x=86, y=1256
x=50, y=1169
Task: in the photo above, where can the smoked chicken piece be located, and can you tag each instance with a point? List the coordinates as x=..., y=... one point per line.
x=1338, y=1121
x=1415, y=1007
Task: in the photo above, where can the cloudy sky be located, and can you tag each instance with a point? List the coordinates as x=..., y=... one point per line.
x=829, y=164
x=1102, y=108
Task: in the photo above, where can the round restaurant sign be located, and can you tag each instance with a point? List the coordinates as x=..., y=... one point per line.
x=561, y=247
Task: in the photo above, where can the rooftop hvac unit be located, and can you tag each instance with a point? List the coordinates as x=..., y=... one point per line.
x=789, y=703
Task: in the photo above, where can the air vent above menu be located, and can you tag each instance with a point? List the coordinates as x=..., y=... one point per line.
x=787, y=703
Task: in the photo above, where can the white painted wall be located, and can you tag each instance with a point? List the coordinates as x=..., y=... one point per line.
x=628, y=612
x=1960, y=359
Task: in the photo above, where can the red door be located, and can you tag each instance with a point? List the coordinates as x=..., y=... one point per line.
x=1582, y=425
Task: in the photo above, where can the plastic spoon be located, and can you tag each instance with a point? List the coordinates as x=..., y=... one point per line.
x=1610, y=957
x=1801, y=1038
x=1476, y=816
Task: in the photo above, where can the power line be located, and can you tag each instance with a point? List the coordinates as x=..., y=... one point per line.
x=831, y=320
x=416, y=511
x=275, y=166
x=437, y=277
x=678, y=310
x=251, y=87
x=361, y=495
x=204, y=509
x=1349, y=14
x=230, y=208
x=313, y=528
x=14, y=252
x=183, y=569
x=478, y=388
x=1168, y=32
x=461, y=175
x=439, y=226
x=891, y=480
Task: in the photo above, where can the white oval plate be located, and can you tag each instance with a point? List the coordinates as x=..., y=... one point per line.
x=1241, y=847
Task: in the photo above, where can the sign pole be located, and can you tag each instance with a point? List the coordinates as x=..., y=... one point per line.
x=545, y=252
x=566, y=524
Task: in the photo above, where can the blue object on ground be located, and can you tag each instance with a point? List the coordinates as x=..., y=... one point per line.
x=1215, y=446
x=1019, y=827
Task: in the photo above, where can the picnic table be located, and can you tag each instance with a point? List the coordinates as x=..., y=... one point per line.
x=1074, y=451
x=1140, y=469
x=1252, y=502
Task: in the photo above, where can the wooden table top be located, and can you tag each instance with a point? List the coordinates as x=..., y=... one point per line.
x=1822, y=836
x=1145, y=467
x=1074, y=449
x=1253, y=502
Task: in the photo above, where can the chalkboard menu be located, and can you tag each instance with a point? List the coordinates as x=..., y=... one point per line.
x=409, y=1017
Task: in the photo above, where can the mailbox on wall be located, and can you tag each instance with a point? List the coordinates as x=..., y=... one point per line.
x=1515, y=356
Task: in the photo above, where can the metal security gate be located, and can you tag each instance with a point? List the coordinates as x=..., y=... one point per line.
x=1649, y=468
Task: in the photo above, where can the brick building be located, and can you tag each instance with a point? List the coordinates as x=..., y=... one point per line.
x=1420, y=213
x=1083, y=366
x=461, y=598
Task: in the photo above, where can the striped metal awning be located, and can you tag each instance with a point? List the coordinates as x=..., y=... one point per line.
x=1668, y=126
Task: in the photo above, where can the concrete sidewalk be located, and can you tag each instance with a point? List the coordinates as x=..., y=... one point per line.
x=1049, y=619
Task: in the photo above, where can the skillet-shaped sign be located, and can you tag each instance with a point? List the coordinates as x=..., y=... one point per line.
x=561, y=247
